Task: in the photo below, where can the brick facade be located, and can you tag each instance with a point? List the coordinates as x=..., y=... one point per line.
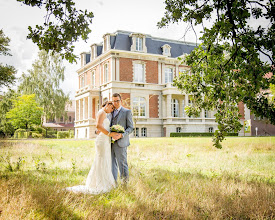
x=152, y=72
x=125, y=97
x=126, y=69
x=153, y=106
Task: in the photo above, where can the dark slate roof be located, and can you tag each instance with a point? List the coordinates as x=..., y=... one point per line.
x=121, y=40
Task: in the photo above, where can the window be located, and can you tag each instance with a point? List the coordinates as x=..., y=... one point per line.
x=139, y=44
x=106, y=73
x=105, y=99
x=139, y=106
x=136, y=132
x=138, y=72
x=183, y=111
x=206, y=115
x=175, y=108
x=210, y=129
x=166, y=50
x=143, y=132
x=70, y=118
x=168, y=75
x=82, y=81
x=178, y=129
x=61, y=119
x=93, y=78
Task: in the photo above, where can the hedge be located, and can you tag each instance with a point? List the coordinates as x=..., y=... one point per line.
x=63, y=134
x=197, y=134
x=22, y=133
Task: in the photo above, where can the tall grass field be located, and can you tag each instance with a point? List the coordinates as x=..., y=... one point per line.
x=170, y=178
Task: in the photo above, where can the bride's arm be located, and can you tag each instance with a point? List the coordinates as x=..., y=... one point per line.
x=99, y=123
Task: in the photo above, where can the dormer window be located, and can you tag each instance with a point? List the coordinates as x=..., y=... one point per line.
x=93, y=51
x=138, y=42
x=106, y=42
x=166, y=50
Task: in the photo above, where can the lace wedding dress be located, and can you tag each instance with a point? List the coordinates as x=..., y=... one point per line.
x=100, y=178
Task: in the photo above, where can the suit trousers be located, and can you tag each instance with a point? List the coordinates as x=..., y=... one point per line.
x=119, y=159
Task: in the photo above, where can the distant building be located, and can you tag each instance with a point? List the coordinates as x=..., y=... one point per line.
x=141, y=68
x=64, y=123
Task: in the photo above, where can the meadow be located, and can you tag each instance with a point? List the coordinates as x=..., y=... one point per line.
x=170, y=178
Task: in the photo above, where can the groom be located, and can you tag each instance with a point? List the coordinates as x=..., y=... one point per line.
x=123, y=117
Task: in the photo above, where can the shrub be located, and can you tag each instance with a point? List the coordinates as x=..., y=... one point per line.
x=63, y=134
x=71, y=133
x=21, y=133
x=37, y=135
x=197, y=134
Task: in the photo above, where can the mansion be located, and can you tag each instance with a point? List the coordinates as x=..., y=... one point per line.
x=141, y=68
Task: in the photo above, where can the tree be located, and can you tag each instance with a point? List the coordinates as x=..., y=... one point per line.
x=63, y=25
x=226, y=68
x=7, y=72
x=6, y=127
x=25, y=112
x=44, y=80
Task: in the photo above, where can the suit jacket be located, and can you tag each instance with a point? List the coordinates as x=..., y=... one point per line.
x=123, y=118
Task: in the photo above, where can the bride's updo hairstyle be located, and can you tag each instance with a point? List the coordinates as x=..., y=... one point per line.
x=106, y=103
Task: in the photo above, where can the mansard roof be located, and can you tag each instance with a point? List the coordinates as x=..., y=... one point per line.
x=121, y=40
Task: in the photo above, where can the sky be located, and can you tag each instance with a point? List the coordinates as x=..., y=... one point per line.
x=109, y=16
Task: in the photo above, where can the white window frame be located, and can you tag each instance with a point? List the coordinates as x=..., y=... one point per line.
x=139, y=72
x=210, y=129
x=106, y=73
x=168, y=75
x=166, y=50
x=139, y=103
x=175, y=108
x=183, y=111
x=178, y=129
x=143, y=132
x=139, y=44
x=93, y=78
x=136, y=132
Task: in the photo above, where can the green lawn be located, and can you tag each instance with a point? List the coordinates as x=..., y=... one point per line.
x=170, y=178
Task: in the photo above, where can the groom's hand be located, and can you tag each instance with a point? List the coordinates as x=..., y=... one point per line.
x=118, y=136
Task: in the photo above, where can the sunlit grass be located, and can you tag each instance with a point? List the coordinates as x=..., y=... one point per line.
x=170, y=178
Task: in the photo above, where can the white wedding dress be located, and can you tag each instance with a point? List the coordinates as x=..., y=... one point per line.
x=100, y=178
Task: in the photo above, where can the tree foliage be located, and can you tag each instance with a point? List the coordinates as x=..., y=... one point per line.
x=6, y=127
x=44, y=80
x=25, y=112
x=7, y=72
x=63, y=25
x=226, y=68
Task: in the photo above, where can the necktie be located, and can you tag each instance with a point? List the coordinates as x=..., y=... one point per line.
x=115, y=112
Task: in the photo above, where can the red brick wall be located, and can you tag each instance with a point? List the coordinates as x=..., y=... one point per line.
x=125, y=97
x=151, y=72
x=153, y=106
x=125, y=69
x=241, y=109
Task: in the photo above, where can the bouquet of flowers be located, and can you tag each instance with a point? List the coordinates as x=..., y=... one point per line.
x=118, y=129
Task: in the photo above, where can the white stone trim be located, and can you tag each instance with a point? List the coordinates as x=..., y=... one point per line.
x=134, y=36
x=168, y=47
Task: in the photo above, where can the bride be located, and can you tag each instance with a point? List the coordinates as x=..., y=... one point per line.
x=100, y=178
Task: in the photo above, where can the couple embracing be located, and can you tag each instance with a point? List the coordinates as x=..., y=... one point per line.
x=109, y=157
